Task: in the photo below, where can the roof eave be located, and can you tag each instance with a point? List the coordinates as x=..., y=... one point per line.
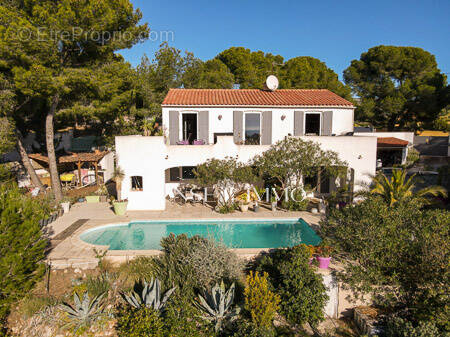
x=257, y=106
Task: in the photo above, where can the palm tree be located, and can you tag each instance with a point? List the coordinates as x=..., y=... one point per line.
x=118, y=176
x=399, y=188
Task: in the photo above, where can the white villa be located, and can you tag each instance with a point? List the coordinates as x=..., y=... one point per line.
x=200, y=124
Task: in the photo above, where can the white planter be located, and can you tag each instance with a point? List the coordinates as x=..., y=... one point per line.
x=66, y=207
x=243, y=207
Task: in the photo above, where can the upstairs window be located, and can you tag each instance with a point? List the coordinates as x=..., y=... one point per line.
x=137, y=183
x=252, y=128
x=312, y=124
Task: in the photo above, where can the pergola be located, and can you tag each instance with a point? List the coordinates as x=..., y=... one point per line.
x=64, y=161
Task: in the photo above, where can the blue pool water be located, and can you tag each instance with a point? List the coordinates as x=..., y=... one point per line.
x=233, y=233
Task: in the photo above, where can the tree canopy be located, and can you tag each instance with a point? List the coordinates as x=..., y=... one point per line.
x=399, y=87
x=250, y=69
x=307, y=72
x=228, y=176
x=22, y=245
x=399, y=254
x=49, y=51
x=290, y=159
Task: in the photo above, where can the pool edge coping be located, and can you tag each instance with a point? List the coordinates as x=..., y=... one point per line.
x=77, y=241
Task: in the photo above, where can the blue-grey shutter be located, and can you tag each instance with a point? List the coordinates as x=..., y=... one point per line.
x=203, y=126
x=266, y=129
x=174, y=127
x=298, y=123
x=327, y=123
x=238, y=127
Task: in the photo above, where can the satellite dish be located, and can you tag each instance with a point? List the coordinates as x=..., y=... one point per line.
x=272, y=83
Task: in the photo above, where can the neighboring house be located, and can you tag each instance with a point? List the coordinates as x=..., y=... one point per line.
x=200, y=124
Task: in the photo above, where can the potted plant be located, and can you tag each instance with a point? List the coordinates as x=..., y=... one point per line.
x=254, y=198
x=102, y=192
x=324, y=255
x=309, y=191
x=273, y=203
x=91, y=199
x=120, y=205
x=243, y=202
x=65, y=205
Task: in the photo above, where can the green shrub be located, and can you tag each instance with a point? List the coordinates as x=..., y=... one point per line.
x=140, y=268
x=31, y=305
x=398, y=327
x=181, y=319
x=225, y=209
x=143, y=322
x=22, y=244
x=417, y=280
x=302, y=292
x=101, y=284
x=196, y=262
x=246, y=328
x=293, y=205
x=260, y=302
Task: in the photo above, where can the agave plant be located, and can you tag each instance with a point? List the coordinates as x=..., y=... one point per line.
x=218, y=305
x=84, y=312
x=149, y=297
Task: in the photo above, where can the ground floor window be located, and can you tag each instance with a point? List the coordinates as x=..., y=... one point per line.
x=137, y=183
x=312, y=124
x=180, y=173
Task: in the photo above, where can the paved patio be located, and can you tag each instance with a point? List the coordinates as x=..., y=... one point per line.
x=69, y=251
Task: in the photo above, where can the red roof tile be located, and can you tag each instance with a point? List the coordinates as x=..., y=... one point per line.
x=254, y=97
x=391, y=142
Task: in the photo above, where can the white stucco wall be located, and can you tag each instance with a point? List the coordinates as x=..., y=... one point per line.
x=342, y=119
x=107, y=165
x=408, y=136
x=149, y=157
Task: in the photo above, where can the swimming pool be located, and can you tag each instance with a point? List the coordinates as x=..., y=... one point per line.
x=146, y=235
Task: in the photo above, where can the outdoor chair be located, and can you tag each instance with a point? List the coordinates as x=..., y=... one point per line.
x=199, y=142
x=183, y=142
x=187, y=197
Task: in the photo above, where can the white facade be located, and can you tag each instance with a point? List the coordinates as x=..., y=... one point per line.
x=221, y=130
x=221, y=119
x=149, y=157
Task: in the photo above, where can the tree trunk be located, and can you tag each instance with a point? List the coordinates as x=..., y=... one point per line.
x=26, y=162
x=49, y=135
x=119, y=189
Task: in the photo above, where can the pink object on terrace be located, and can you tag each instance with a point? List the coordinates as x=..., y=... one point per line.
x=183, y=142
x=199, y=142
x=324, y=262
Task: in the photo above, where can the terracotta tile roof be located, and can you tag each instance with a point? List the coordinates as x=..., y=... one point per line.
x=254, y=97
x=391, y=142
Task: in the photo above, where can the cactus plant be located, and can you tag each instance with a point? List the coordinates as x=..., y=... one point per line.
x=149, y=297
x=217, y=305
x=83, y=313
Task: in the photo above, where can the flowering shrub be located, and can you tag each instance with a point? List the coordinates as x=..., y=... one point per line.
x=260, y=302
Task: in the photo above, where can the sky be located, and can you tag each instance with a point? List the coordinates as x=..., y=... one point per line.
x=335, y=32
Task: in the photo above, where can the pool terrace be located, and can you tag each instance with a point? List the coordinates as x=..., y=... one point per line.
x=68, y=250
